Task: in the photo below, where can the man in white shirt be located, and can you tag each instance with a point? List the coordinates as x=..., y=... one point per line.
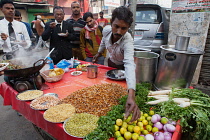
x=119, y=44
x=19, y=34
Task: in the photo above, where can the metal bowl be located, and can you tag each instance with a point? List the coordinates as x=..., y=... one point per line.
x=51, y=94
x=116, y=74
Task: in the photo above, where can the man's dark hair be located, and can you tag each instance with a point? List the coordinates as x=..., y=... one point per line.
x=101, y=12
x=122, y=13
x=86, y=15
x=17, y=13
x=6, y=2
x=57, y=7
x=75, y=2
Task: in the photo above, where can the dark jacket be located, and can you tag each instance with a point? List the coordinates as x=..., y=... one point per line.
x=63, y=50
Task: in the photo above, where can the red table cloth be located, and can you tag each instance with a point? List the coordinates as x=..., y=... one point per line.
x=63, y=88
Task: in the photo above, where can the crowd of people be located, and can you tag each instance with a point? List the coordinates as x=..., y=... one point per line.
x=81, y=37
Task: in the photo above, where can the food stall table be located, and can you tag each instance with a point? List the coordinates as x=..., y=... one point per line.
x=63, y=88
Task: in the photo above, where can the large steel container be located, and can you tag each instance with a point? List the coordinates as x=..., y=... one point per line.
x=176, y=68
x=146, y=66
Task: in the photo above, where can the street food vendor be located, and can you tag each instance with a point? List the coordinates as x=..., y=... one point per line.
x=119, y=44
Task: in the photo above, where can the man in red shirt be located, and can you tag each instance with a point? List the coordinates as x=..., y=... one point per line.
x=102, y=21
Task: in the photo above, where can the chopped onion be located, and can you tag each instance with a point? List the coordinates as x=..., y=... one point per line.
x=158, y=125
x=159, y=136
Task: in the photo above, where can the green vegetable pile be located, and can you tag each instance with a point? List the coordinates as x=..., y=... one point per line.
x=194, y=119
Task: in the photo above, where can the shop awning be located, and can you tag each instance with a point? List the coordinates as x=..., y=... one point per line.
x=32, y=3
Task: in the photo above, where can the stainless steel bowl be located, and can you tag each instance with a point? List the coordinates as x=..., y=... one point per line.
x=116, y=74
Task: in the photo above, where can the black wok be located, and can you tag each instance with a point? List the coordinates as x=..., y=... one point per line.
x=29, y=69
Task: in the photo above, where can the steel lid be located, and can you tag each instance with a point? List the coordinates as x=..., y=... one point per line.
x=193, y=51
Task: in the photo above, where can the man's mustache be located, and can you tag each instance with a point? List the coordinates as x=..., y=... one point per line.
x=119, y=35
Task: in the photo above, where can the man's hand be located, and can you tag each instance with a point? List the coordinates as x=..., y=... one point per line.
x=131, y=106
x=95, y=58
x=4, y=36
x=52, y=25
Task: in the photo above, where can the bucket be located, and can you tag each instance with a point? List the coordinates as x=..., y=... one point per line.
x=176, y=68
x=146, y=66
x=92, y=71
x=182, y=43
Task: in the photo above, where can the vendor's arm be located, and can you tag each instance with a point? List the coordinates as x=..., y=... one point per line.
x=131, y=106
x=83, y=43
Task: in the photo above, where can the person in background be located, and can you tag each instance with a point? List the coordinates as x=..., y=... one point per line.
x=119, y=44
x=39, y=26
x=78, y=23
x=102, y=21
x=60, y=42
x=18, y=17
x=11, y=30
x=90, y=38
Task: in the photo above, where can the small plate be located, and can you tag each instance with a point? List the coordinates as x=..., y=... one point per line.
x=61, y=34
x=116, y=74
x=76, y=73
x=4, y=67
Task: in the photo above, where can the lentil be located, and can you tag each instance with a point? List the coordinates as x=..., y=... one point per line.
x=81, y=124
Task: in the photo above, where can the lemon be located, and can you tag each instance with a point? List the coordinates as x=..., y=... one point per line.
x=149, y=128
x=145, y=132
x=123, y=130
x=141, y=118
x=151, y=112
x=141, y=138
x=145, y=122
x=128, y=119
x=135, y=136
x=119, y=122
x=155, y=129
x=125, y=125
x=141, y=112
x=146, y=115
x=120, y=138
x=141, y=128
x=116, y=127
x=137, y=129
x=130, y=128
x=140, y=124
x=117, y=134
x=127, y=135
x=149, y=118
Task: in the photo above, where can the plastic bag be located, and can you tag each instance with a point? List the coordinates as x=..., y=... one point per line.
x=64, y=64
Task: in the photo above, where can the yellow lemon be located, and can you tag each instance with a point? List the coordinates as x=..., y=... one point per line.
x=137, y=130
x=141, y=128
x=140, y=124
x=119, y=122
x=151, y=112
x=116, y=127
x=149, y=118
x=145, y=122
x=123, y=130
x=145, y=132
x=125, y=125
x=130, y=128
x=117, y=134
x=127, y=135
x=155, y=129
x=141, y=118
x=120, y=138
x=149, y=128
x=135, y=136
x=141, y=138
x=146, y=115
